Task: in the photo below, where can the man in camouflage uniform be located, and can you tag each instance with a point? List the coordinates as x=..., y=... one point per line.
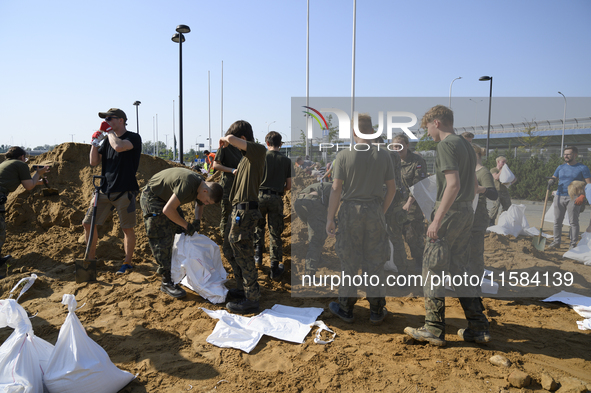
x=226, y=160
x=414, y=169
x=276, y=180
x=311, y=207
x=448, y=248
x=362, y=239
x=396, y=215
x=160, y=201
x=238, y=244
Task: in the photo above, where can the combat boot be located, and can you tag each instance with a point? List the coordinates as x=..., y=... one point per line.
x=376, y=318
x=336, y=309
x=236, y=293
x=422, y=334
x=277, y=270
x=244, y=306
x=170, y=288
x=479, y=337
x=3, y=260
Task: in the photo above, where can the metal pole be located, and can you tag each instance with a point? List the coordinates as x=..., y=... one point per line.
x=489, y=109
x=308, y=118
x=173, y=134
x=451, y=84
x=353, y=72
x=157, y=147
x=181, y=97
x=154, y=136
x=563, y=124
x=209, y=109
x=222, y=116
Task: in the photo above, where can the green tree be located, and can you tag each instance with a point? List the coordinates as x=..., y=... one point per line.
x=426, y=143
x=530, y=139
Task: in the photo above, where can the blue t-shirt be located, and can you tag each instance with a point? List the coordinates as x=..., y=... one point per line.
x=566, y=174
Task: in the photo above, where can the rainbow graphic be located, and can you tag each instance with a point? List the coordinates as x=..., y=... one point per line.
x=316, y=117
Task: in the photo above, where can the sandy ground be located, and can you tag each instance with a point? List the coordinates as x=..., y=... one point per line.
x=146, y=332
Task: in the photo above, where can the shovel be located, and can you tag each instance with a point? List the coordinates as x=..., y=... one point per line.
x=86, y=268
x=47, y=191
x=540, y=241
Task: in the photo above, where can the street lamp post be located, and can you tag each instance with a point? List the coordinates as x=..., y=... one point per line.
x=563, y=121
x=274, y=121
x=137, y=116
x=450, y=85
x=482, y=79
x=179, y=38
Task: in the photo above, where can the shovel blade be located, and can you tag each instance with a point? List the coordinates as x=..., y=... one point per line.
x=49, y=192
x=539, y=243
x=85, y=270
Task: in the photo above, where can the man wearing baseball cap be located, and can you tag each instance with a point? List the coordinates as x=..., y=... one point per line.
x=119, y=155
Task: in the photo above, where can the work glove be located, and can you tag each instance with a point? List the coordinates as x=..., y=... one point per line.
x=193, y=227
x=101, y=134
x=551, y=182
x=580, y=200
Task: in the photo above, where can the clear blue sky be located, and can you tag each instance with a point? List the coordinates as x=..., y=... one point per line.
x=64, y=61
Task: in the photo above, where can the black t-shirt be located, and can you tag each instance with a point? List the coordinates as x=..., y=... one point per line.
x=120, y=168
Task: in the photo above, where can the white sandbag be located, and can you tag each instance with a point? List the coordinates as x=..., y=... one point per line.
x=513, y=222
x=197, y=258
x=549, y=216
x=425, y=193
x=283, y=322
x=582, y=252
x=23, y=356
x=78, y=363
x=506, y=176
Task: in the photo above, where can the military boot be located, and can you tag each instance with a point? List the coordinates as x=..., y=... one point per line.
x=170, y=288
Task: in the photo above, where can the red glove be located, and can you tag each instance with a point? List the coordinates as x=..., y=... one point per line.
x=97, y=134
x=579, y=201
x=105, y=127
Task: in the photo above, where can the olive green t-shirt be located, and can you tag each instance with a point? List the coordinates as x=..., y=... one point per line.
x=454, y=153
x=228, y=156
x=12, y=172
x=485, y=179
x=278, y=169
x=363, y=173
x=249, y=175
x=184, y=183
x=401, y=190
x=414, y=169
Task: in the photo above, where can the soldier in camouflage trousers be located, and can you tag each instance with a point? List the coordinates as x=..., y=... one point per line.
x=226, y=160
x=311, y=207
x=396, y=216
x=361, y=239
x=413, y=170
x=160, y=202
x=276, y=181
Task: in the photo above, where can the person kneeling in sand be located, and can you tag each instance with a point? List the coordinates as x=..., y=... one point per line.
x=160, y=201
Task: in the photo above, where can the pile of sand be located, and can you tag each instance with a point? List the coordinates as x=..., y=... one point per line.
x=162, y=339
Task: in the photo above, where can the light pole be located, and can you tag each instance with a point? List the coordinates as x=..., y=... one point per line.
x=450, y=85
x=476, y=115
x=482, y=79
x=179, y=38
x=137, y=116
x=270, y=125
x=563, y=121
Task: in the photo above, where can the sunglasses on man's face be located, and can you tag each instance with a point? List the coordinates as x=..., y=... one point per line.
x=111, y=118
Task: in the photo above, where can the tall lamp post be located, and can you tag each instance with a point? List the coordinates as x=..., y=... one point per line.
x=274, y=121
x=180, y=38
x=563, y=121
x=137, y=116
x=450, y=85
x=483, y=79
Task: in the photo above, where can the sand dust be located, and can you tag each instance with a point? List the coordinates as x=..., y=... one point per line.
x=146, y=332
